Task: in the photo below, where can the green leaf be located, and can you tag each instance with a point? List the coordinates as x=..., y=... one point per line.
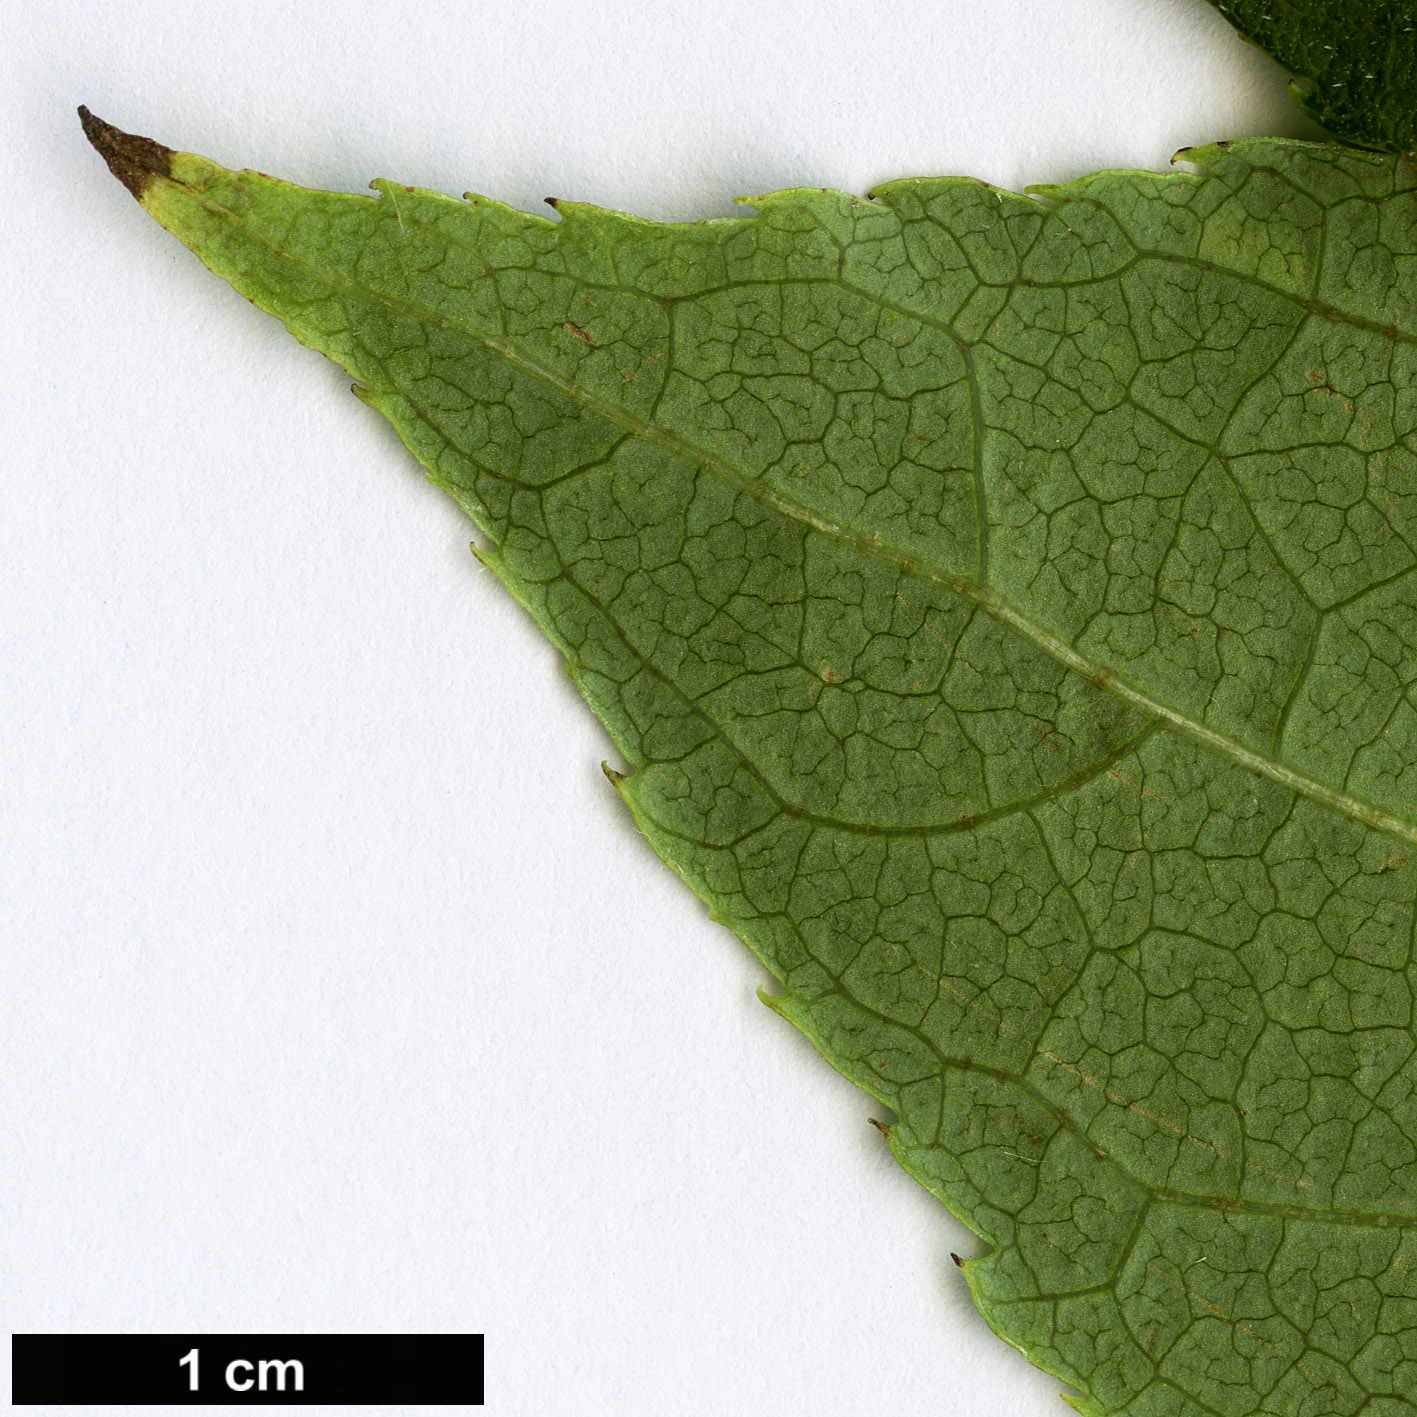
x=1355, y=62
x=1005, y=606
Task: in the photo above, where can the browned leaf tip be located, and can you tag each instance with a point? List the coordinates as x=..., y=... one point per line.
x=134, y=161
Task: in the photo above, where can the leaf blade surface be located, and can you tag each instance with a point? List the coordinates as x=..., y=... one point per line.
x=1355, y=63
x=1003, y=608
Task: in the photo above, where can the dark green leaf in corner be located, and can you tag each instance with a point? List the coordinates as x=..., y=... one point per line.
x=1354, y=62
x=1007, y=609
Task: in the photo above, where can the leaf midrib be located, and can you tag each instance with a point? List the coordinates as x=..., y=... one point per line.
x=906, y=564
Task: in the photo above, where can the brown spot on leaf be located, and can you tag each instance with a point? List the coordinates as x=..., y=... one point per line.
x=134, y=161
x=584, y=336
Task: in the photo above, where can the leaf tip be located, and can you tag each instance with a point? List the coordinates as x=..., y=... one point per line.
x=134, y=161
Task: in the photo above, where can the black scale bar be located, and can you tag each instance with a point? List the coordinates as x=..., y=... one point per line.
x=217, y=1369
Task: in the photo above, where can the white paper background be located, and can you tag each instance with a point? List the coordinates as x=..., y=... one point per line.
x=339, y=992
